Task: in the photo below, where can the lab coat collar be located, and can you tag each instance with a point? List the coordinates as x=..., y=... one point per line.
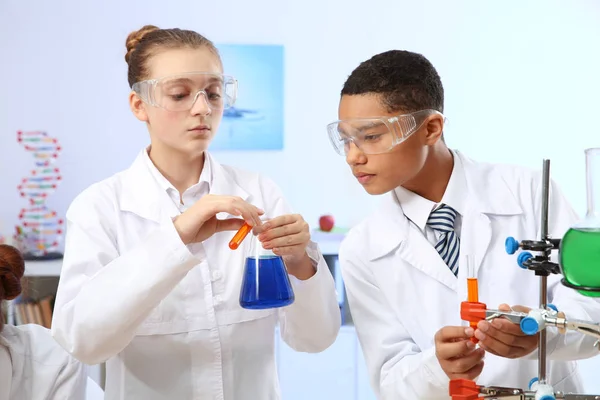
x=205, y=175
x=488, y=193
x=142, y=195
x=388, y=230
x=488, y=189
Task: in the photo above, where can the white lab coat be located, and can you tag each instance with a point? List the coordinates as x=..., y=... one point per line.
x=34, y=367
x=166, y=317
x=401, y=293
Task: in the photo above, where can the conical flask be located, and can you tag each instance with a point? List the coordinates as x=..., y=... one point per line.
x=266, y=283
x=580, y=246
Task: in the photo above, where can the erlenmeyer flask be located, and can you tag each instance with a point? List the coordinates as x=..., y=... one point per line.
x=580, y=246
x=266, y=283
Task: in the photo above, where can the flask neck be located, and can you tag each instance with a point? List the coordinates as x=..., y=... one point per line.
x=592, y=173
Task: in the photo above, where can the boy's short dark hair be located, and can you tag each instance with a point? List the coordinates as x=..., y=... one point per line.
x=406, y=81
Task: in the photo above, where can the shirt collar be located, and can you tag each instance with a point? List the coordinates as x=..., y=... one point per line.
x=205, y=175
x=417, y=208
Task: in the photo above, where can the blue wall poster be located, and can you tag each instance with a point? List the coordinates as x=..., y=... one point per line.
x=255, y=122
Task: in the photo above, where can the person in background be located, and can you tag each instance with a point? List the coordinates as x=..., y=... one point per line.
x=32, y=365
x=405, y=267
x=149, y=284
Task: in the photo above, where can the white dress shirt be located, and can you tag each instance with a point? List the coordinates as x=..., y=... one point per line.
x=191, y=194
x=417, y=209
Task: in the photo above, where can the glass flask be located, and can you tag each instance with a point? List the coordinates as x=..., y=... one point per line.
x=580, y=246
x=265, y=283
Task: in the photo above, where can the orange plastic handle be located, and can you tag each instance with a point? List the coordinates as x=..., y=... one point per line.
x=240, y=236
x=463, y=389
x=473, y=312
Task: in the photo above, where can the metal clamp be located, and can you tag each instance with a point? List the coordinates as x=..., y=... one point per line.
x=513, y=316
x=585, y=327
x=475, y=312
x=463, y=389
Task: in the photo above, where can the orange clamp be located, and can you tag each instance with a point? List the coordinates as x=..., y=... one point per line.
x=464, y=389
x=472, y=312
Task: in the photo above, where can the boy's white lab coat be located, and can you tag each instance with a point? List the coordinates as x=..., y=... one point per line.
x=34, y=367
x=401, y=293
x=166, y=316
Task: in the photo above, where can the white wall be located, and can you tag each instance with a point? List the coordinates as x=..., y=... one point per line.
x=521, y=82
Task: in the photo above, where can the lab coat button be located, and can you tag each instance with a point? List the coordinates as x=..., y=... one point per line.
x=216, y=275
x=217, y=300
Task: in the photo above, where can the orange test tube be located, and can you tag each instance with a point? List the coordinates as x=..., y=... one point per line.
x=473, y=297
x=240, y=236
x=472, y=290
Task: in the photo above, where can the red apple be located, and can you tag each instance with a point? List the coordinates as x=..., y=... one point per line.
x=326, y=223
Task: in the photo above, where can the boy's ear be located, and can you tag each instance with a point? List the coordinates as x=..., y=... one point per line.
x=434, y=129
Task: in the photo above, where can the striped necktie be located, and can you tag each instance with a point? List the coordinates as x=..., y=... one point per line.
x=442, y=221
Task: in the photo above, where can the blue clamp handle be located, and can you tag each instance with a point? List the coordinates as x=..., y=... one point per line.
x=544, y=397
x=529, y=326
x=552, y=306
x=511, y=245
x=532, y=381
x=521, y=258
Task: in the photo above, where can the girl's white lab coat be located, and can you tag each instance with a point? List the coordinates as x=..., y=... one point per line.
x=164, y=316
x=34, y=367
x=401, y=293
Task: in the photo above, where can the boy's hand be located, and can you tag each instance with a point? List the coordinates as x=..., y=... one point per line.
x=456, y=354
x=505, y=338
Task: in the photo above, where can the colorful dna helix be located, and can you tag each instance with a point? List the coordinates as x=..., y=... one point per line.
x=40, y=229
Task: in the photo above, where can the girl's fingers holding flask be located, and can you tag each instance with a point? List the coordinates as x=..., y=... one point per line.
x=289, y=250
x=282, y=227
x=287, y=241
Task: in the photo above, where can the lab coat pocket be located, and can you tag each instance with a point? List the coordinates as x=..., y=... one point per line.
x=156, y=326
x=243, y=315
x=183, y=310
x=161, y=323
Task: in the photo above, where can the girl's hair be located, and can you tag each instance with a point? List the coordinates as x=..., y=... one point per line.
x=149, y=40
x=12, y=268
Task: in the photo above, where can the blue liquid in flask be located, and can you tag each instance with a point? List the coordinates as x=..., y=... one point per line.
x=266, y=283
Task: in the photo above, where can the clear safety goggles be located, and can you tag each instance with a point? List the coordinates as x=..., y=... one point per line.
x=375, y=135
x=180, y=92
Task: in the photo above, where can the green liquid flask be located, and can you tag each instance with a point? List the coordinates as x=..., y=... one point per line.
x=580, y=246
